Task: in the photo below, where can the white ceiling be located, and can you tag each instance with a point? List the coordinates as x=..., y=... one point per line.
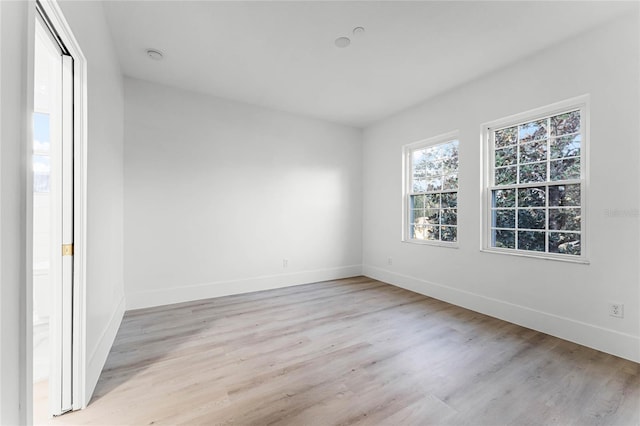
x=282, y=54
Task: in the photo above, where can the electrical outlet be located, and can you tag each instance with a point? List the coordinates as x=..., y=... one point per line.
x=616, y=310
x=390, y=261
x=285, y=263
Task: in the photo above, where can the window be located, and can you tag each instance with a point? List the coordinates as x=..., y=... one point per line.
x=431, y=191
x=535, y=191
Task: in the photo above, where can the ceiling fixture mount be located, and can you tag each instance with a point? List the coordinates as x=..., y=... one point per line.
x=154, y=54
x=343, y=41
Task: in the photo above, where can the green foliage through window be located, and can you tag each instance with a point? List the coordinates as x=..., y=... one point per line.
x=433, y=192
x=536, y=187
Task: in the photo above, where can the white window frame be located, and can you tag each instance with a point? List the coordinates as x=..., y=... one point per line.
x=407, y=190
x=578, y=103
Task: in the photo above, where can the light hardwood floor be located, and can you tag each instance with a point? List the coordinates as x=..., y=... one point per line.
x=352, y=351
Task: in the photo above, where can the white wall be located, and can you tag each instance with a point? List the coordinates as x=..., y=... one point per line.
x=563, y=299
x=13, y=216
x=105, y=279
x=218, y=193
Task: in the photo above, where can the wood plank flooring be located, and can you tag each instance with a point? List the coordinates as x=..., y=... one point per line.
x=346, y=352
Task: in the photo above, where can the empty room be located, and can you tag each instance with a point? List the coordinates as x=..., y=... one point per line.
x=319, y=212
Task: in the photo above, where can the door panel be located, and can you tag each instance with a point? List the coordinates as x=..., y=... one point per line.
x=54, y=97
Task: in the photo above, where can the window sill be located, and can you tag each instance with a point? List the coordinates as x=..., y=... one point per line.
x=433, y=243
x=542, y=256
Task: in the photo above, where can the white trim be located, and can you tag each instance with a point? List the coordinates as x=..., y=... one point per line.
x=406, y=187
x=98, y=356
x=55, y=15
x=26, y=389
x=28, y=395
x=147, y=299
x=486, y=169
x=536, y=255
x=600, y=338
x=436, y=243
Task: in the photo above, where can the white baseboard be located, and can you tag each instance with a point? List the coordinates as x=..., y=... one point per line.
x=98, y=356
x=147, y=299
x=606, y=340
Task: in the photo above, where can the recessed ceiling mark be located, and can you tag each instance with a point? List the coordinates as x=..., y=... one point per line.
x=343, y=41
x=346, y=41
x=154, y=54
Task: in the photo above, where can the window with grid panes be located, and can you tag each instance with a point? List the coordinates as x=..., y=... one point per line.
x=536, y=185
x=431, y=202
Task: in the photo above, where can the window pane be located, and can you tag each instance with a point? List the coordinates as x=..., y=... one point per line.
x=531, y=219
x=565, y=243
x=434, y=168
x=432, y=233
x=504, y=218
x=418, y=159
x=506, y=137
x=450, y=182
x=449, y=233
x=564, y=219
x=566, y=146
x=449, y=149
x=533, y=151
x=504, y=198
x=449, y=217
x=535, y=172
x=534, y=130
x=417, y=201
x=418, y=156
x=506, y=175
x=504, y=239
x=450, y=164
x=432, y=201
x=450, y=199
x=431, y=154
x=564, y=195
x=565, y=123
x=419, y=185
x=432, y=216
x=565, y=169
x=531, y=240
x=417, y=216
x=434, y=184
x=418, y=232
x=505, y=156
x=531, y=197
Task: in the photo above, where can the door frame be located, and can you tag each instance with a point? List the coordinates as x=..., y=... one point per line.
x=62, y=30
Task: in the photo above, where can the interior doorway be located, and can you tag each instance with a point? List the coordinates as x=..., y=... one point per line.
x=52, y=161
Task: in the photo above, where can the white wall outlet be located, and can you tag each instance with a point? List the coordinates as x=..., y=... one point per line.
x=285, y=263
x=616, y=310
x=390, y=261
